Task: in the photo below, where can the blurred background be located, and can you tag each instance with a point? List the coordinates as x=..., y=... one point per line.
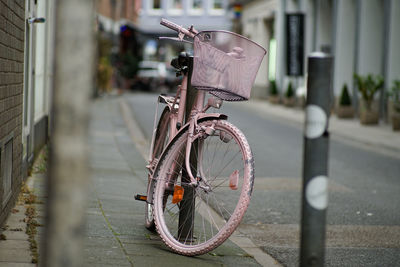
x=360, y=34
x=111, y=48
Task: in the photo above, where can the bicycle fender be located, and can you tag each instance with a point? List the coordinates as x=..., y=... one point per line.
x=201, y=117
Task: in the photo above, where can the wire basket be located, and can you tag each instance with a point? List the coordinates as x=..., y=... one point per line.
x=225, y=64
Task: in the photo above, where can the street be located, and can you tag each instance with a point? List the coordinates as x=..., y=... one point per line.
x=364, y=185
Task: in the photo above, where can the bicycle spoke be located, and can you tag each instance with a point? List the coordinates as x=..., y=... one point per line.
x=225, y=167
x=207, y=205
x=219, y=208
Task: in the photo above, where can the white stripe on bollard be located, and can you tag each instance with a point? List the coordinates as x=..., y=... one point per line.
x=317, y=192
x=316, y=121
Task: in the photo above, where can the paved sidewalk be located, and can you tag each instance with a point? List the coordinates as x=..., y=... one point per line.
x=380, y=138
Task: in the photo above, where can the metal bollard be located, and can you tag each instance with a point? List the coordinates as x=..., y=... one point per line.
x=315, y=165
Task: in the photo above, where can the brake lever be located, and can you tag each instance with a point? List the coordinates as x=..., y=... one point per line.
x=176, y=39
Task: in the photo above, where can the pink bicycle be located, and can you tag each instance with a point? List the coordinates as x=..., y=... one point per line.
x=201, y=172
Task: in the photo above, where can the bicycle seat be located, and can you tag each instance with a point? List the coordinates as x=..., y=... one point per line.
x=181, y=61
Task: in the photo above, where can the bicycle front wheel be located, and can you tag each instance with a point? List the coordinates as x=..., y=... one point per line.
x=194, y=219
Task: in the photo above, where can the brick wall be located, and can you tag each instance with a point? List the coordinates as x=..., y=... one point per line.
x=124, y=9
x=12, y=27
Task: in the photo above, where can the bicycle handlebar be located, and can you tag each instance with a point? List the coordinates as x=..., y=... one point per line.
x=169, y=24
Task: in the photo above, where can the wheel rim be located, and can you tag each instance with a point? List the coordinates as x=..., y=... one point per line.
x=222, y=155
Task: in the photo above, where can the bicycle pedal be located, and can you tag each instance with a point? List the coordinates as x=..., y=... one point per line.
x=140, y=197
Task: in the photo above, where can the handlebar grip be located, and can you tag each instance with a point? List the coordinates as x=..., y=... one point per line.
x=170, y=25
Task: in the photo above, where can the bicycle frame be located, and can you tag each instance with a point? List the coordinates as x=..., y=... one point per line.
x=177, y=108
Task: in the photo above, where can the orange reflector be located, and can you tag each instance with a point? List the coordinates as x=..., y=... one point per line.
x=234, y=180
x=178, y=194
x=140, y=197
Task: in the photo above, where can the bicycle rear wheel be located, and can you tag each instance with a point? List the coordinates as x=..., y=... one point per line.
x=208, y=213
x=160, y=141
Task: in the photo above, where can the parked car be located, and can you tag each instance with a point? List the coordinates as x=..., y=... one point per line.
x=151, y=76
x=155, y=76
x=171, y=80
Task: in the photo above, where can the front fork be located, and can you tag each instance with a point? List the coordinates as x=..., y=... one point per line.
x=195, y=132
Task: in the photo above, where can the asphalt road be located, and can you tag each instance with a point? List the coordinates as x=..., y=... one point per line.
x=364, y=191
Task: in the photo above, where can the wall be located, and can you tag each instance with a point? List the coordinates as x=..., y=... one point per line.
x=393, y=56
x=12, y=23
x=344, y=45
x=255, y=27
x=43, y=72
x=370, y=43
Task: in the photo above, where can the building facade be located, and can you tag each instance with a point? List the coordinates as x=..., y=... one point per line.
x=203, y=14
x=362, y=36
x=112, y=14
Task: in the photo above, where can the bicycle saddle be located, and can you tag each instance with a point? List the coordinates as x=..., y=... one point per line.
x=181, y=61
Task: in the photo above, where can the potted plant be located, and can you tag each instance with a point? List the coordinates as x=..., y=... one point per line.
x=394, y=105
x=344, y=108
x=289, y=99
x=104, y=67
x=368, y=86
x=273, y=93
x=128, y=67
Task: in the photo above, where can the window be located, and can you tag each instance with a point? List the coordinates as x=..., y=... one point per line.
x=176, y=4
x=154, y=7
x=196, y=7
x=217, y=4
x=175, y=7
x=156, y=4
x=217, y=7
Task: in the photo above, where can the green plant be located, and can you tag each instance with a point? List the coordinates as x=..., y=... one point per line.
x=290, y=91
x=273, y=89
x=104, y=46
x=368, y=86
x=345, y=99
x=129, y=65
x=104, y=73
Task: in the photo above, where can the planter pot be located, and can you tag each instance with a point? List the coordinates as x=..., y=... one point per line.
x=396, y=121
x=369, y=115
x=289, y=102
x=273, y=99
x=345, y=112
x=301, y=102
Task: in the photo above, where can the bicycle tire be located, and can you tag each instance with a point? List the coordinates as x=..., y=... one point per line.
x=160, y=141
x=217, y=212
